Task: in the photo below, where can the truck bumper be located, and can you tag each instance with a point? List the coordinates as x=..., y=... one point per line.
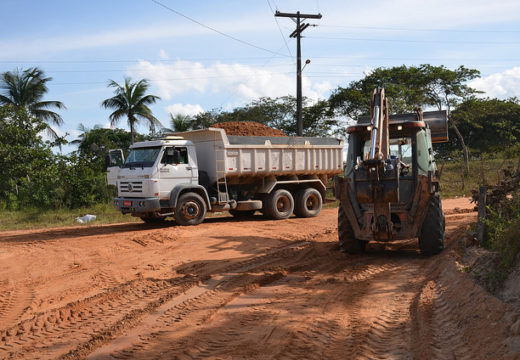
x=137, y=205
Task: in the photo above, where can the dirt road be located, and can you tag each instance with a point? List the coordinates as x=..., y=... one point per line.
x=242, y=289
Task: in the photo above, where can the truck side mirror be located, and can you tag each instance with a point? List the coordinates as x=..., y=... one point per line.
x=115, y=158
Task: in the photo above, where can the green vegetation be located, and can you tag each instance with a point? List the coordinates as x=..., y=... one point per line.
x=503, y=226
x=455, y=181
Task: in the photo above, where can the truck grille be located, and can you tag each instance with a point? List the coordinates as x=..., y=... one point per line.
x=131, y=186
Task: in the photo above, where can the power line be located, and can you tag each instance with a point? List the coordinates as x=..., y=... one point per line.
x=217, y=31
x=280, y=29
x=418, y=29
x=416, y=41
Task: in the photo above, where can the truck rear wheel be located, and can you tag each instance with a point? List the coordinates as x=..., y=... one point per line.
x=190, y=209
x=347, y=242
x=308, y=203
x=431, y=239
x=279, y=205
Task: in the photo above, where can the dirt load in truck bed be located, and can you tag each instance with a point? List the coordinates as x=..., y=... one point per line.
x=248, y=128
x=250, y=289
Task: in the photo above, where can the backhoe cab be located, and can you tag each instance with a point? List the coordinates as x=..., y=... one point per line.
x=390, y=190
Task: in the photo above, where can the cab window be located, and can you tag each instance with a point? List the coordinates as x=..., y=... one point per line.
x=175, y=155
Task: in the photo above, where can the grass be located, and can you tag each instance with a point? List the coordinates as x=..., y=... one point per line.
x=37, y=218
x=453, y=184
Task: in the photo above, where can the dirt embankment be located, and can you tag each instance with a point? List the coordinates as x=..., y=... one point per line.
x=248, y=128
x=242, y=289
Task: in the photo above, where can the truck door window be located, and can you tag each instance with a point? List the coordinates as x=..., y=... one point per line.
x=169, y=157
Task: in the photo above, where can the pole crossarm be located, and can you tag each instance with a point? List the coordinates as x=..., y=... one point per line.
x=302, y=16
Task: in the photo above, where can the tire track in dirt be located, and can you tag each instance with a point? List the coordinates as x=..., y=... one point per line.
x=85, y=322
x=200, y=303
x=14, y=302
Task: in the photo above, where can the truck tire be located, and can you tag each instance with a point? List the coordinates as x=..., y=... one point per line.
x=308, y=203
x=190, y=209
x=242, y=213
x=153, y=219
x=347, y=242
x=279, y=205
x=431, y=239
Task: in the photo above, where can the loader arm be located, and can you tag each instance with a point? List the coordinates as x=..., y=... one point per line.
x=377, y=175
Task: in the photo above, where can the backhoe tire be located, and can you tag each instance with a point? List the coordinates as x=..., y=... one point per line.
x=308, y=203
x=431, y=239
x=153, y=220
x=347, y=242
x=242, y=213
x=279, y=205
x=190, y=209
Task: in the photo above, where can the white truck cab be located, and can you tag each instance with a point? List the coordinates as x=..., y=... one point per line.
x=150, y=173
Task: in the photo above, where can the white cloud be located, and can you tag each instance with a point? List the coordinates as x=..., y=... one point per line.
x=184, y=109
x=243, y=82
x=500, y=85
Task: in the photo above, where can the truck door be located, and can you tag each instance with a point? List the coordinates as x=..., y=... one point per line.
x=174, y=169
x=114, y=160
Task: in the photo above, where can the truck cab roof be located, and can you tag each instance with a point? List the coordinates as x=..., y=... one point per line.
x=165, y=141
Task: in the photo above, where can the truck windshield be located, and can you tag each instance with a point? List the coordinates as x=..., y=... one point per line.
x=142, y=157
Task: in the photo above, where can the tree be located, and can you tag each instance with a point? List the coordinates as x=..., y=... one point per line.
x=180, y=122
x=25, y=90
x=447, y=88
x=408, y=88
x=278, y=113
x=131, y=101
x=488, y=125
x=94, y=144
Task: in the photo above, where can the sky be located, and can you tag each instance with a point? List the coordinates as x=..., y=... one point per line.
x=203, y=55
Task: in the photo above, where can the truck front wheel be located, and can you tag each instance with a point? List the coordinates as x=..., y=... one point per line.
x=190, y=209
x=308, y=203
x=279, y=205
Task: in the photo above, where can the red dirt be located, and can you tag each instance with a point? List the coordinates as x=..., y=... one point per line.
x=242, y=289
x=248, y=128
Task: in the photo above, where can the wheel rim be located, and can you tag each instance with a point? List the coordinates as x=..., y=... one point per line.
x=191, y=210
x=283, y=205
x=312, y=202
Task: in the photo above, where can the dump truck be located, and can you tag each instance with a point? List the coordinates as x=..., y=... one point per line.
x=390, y=188
x=185, y=175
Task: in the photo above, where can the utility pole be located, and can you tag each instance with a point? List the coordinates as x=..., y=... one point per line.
x=297, y=33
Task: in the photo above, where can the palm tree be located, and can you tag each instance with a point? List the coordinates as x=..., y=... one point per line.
x=25, y=90
x=131, y=101
x=180, y=122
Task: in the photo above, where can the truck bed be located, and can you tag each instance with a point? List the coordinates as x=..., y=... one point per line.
x=220, y=154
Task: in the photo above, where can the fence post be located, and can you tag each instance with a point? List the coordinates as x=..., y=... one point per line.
x=481, y=227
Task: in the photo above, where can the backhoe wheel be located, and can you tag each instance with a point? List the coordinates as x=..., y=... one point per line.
x=153, y=219
x=431, y=239
x=279, y=205
x=242, y=213
x=347, y=242
x=190, y=209
x=308, y=203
